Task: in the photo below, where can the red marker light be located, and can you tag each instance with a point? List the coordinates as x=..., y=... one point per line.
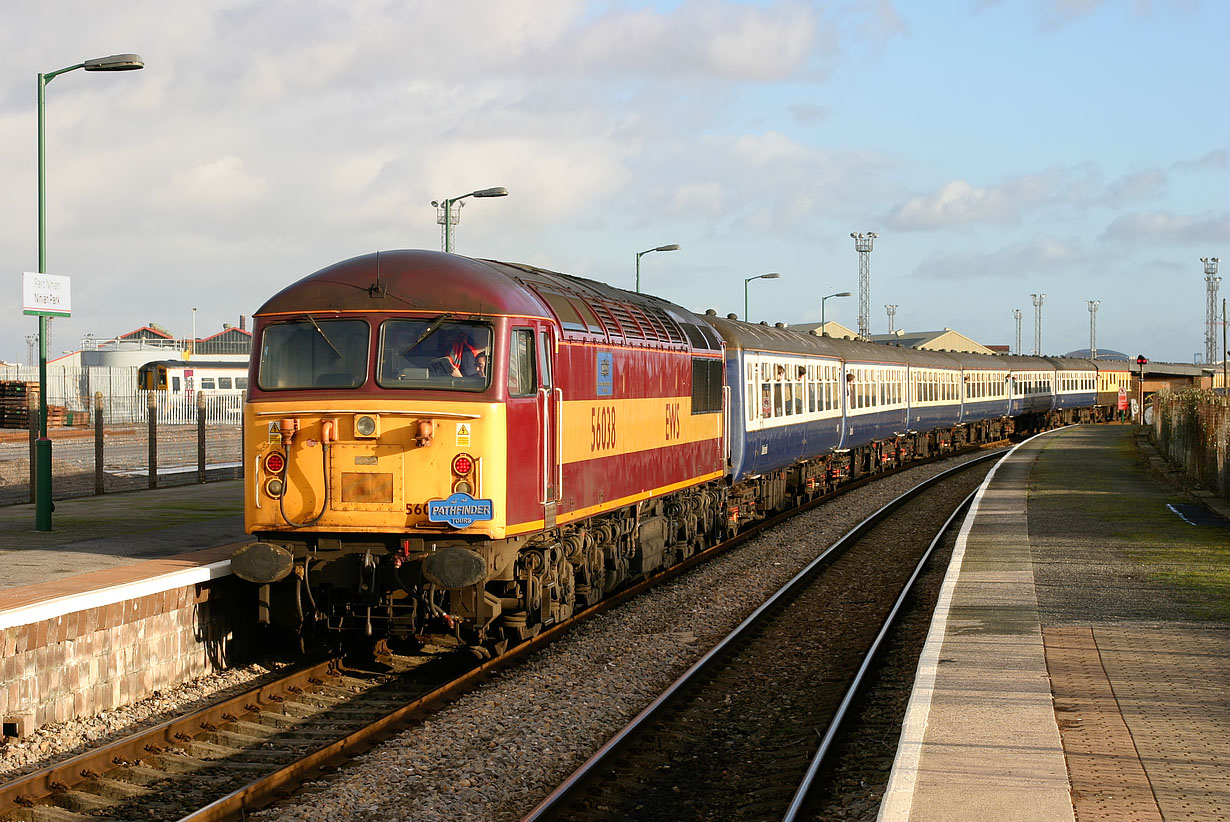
x=463, y=464
x=275, y=462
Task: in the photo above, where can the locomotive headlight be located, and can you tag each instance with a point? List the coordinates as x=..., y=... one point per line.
x=274, y=487
x=463, y=487
x=366, y=425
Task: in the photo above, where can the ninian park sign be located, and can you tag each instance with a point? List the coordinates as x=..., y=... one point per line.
x=46, y=294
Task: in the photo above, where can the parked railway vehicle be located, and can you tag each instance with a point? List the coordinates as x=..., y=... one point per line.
x=437, y=443
x=180, y=378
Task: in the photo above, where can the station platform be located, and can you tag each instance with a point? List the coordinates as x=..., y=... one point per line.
x=1078, y=666
x=116, y=538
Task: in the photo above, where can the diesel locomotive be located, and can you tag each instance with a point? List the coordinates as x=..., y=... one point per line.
x=438, y=444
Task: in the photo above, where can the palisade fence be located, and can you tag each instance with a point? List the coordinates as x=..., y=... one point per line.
x=1192, y=428
x=117, y=443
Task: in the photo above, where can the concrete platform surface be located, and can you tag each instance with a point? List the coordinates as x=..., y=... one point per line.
x=1079, y=663
x=112, y=531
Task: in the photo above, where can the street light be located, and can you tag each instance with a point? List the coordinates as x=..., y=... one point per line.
x=42, y=446
x=772, y=276
x=448, y=219
x=823, y=301
x=639, y=254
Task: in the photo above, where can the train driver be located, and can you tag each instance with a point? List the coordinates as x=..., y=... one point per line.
x=464, y=357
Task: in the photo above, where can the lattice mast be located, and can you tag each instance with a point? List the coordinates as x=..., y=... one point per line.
x=1211, y=281
x=863, y=244
x=1037, y=298
x=1093, y=327
x=892, y=314
x=1016, y=315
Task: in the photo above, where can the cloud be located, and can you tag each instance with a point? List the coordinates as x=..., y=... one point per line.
x=1153, y=226
x=713, y=40
x=809, y=114
x=1216, y=160
x=958, y=203
x=1039, y=255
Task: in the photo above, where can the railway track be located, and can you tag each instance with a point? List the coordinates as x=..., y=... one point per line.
x=246, y=752
x=743, y=733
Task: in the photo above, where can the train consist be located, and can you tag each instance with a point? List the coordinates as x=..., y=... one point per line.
x=438, y=444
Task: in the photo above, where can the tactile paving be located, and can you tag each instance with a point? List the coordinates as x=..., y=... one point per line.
x=1142, y=713
x=1108, y=779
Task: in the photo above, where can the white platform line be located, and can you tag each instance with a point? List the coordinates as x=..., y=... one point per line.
x=898, y=800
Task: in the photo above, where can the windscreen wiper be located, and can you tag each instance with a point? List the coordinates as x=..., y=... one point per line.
x=316, y=325
x=431, y=329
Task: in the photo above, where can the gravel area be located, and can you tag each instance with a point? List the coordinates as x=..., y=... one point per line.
x=497, y=751
x=54, y=743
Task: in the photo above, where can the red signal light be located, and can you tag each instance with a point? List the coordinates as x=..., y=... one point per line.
x=463, y=464
x=1142, y=359
x=275, y=462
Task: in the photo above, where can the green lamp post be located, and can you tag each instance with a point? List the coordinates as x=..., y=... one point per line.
x=770, y=276
x=447, y=217
x=826, y=299
x=639, y=254
x=42, y=446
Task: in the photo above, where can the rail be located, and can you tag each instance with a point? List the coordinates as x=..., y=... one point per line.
x=565, y=795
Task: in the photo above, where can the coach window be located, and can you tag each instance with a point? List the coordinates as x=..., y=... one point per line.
x=207, y=383
x=521, y=372
x=778, y=373
x=750, y=387
x=224, y=382
x=175, y=384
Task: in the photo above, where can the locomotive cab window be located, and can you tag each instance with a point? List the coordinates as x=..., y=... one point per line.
x=434, y=353
x=311, y=353
x=706, y=385
x=522, y=375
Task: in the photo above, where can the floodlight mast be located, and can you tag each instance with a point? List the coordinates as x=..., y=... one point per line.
x=1093, y=327
x=1211, y=281
x=1037, y=299
x=863, y=244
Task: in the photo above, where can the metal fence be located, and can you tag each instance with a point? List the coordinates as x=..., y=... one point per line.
x=143, y=441
x=77, y=389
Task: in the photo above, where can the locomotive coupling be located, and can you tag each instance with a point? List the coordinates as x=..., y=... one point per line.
x=261, y=562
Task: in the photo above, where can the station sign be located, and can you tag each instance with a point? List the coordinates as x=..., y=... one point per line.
x=46, y=295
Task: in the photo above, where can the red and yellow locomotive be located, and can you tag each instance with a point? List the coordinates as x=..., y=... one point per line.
x=436, y=443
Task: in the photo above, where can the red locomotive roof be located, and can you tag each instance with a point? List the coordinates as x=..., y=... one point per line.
x=409, y=281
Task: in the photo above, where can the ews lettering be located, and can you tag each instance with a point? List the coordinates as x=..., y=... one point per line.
x=672, y=421
x=602, y=428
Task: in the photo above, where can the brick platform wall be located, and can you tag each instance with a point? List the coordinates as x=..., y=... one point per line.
x=1192, y=428
x=81, y=662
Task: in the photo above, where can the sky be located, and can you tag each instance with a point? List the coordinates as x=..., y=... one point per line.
x=999, y=148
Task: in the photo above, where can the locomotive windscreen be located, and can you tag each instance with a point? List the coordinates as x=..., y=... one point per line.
x=313, y=353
